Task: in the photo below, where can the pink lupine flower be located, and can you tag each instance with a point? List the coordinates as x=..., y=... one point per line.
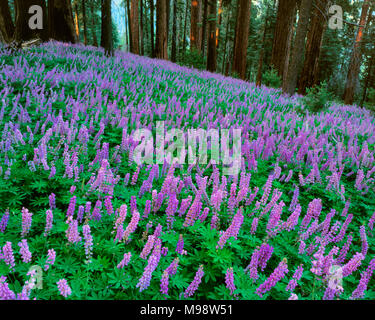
x=148, y=247
x=125, y=261
x=8, y=255
x=26, y=222
x=132, y=226
x=51, y=256
x=64, y=288
x=49, y=222
x=72, y=232
x=24, y=251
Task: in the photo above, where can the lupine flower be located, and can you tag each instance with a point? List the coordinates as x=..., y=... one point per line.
x=108, y=205
x=26, y=222
x=352, y=265
x=132, y=225
x=301, y=248
x=96, y=212
x=72, y=232
x=229, y=280
x=88, y=242
x=279, y=273
x=81, y=211
x=344, y=250
x=64, y=288
x=52, y=201
x=180, y=244
x=317, y=264
x=254, y=226
x=24, y=251
x=5, y=292
x=51, y=256
x=125, y=261
x=371, y=221
x=164, y=282
x=265, y=253
x=8, y=255
x=292, y=221
x=164, y=251
x=153, y=261
x=4, y=221
x=71, y=207
x=232, y=231
x=362, y=231
x=148, y=247
x=294, y=281
x=253, y=265
x=195, y=283
x=49, y=222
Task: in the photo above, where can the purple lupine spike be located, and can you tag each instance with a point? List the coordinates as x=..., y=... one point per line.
x=88, y=242
x=64, y=288
x=132, y=226
x=8, y=255
x=26, y=222
x=71, y=207
x=195, y=283
x=362, y=231
x=180, y=244
x=229, y=280
x=352, y=265
x=153, y=261
x=125, y=260
x=292, y=284
x=164, y=282
x=278, y=274
x=49, y=222
x=4, y=221
x=24, y=251
x=51, y=256
x=148, y=247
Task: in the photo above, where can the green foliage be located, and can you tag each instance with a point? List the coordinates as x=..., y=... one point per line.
x=370, y=103
x=317, y=98
x=271, y=79
x=192, y=58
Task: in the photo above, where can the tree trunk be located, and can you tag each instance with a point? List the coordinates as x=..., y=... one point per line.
x=76, y=23
x=211, y=49
x=22, y=31
x=106, y=40
x=60, y=21
x=174, y=32
x=355, y=61
x=261, y=56
x=242, y=35
x=142, y=49
x=134, y=26
x=161, y=30
x=6, y=23
x=152, y=28
x=84, y=22
x=129, y=26
x=185, y=26
x=220, y=17
x=310, y=71
x=194, y=31
x=226, y=43
x=297, y=53
x=168, y=4
x=204, y=27
x=94, y=38
x=282, y=36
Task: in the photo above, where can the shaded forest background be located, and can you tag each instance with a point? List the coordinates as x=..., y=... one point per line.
x=282, y=44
